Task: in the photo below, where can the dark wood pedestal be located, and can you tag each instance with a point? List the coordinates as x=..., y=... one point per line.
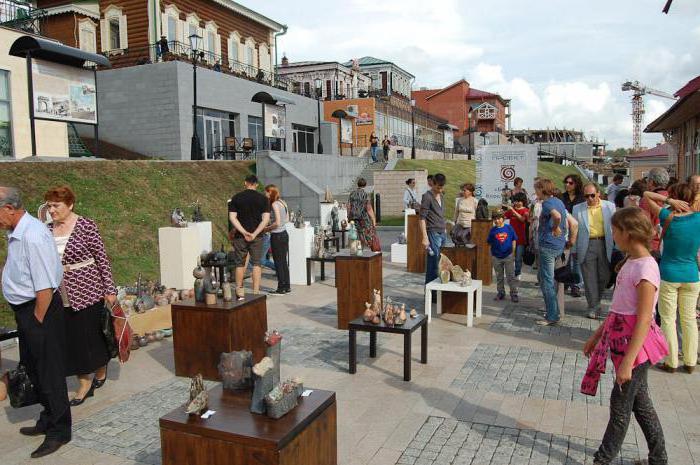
x=456, y=302
x=202, y=332
x=415, y=252
x=355, y=279
x=480, y=233
x=306, y=435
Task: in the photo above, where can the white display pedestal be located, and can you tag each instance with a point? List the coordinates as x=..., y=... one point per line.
x=179, y=249
x=408, y=211
x=342, y=214
x=326, y=209
x=399, y=253
x=300, y=247
x=203, y=229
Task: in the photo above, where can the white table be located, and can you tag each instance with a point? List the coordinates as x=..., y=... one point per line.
x=473, y=293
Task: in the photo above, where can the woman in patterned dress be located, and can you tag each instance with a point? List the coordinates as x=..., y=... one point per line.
x=361, y=212
x=87, y=285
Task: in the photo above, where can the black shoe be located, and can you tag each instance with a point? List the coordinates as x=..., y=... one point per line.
x=31, y=431
x=288, y=290
x=49, y=446
x=75, y=401
x=277, y=292
x=98, y=383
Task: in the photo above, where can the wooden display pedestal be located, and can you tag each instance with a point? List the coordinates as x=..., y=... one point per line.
x=416, y=254
x=480, y=233
x=202, y=332
x=456, y=302
x=306, y=435
x=355, y=279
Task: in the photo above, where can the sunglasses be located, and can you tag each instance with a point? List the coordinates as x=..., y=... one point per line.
x=590, y=196
x=570, y=182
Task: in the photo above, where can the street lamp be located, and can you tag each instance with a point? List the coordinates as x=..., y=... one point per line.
x=469, y=135
x=195, y=43
x=318, y=83
x=483, y=135
x=413, y=130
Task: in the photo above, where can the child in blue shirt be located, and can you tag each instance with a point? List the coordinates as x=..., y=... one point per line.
x=503, y=241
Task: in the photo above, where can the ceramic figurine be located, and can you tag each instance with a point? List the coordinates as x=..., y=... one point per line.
x=376, y=320
x=197, y=216
x=227, y=289
x=358, y=250
x=273, y=340
x=318, y=245
x=389, y=315
x=467, y=278
x=177, y=219
x=402, y=314
x=199, y=397
x=344, y=225
x=402, y=238
x=368, y=315
x=334, y=218
x=263, y=384
x=377, y=302
x=445, y=264
x=240, y=293
x=457, y=273
x=199, y=274
x=414, y=313
x=299, y=219
x=328, y=198
x=235, y=369
x=211, y=288
x=444, y=276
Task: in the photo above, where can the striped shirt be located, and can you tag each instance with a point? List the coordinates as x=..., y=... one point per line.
x=32, y=261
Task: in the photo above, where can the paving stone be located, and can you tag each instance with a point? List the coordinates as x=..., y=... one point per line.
x=495, y=445
x=485, y=368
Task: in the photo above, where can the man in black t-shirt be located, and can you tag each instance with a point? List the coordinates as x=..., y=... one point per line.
x=249, y=212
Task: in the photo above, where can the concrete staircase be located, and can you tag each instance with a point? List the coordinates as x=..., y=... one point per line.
x=368, y=174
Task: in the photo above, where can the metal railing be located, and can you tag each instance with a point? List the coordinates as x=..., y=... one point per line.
x=182, y=52
x=21, y=15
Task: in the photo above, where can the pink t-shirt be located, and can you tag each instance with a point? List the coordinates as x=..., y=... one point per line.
x=624, y=299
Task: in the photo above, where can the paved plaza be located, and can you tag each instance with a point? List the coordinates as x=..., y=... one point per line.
x=502, y=392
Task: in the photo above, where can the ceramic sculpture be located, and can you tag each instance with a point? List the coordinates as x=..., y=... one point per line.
x=334, y=219
x=344, y=225
x=262, y=376
x=199, y=397
x=199, y=274
x=273, y=341
x=328, y=197
x=402, y=238
x=444, y=276
x=236, y=370
x=457, y=273
x=414, y=313
x=177, y=219
x=281, y=399
x=299, y=219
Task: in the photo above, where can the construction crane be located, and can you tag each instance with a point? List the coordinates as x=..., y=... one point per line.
x=639, y=90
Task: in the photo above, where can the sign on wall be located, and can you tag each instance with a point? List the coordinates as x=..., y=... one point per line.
x=275, y=121
x=346, y=131
x=449, y=139
x=64, y=93
x=363, y=119
x=498, y=165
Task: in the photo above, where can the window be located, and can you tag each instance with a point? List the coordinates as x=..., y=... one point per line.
x=172, y=29
x=234, y=43
x=255, y=131
x=212, y=43
x=5, y=119
x=86, y=35
x=264, y=52
x=170, y=24
x=250, y=54
x=303, y=138
x=486, y=111
x=114, y=30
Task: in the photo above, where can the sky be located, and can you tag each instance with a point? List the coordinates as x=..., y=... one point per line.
x=561, y=62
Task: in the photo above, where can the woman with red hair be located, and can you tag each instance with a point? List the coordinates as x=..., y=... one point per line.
x=87, y=284
x=279, y=239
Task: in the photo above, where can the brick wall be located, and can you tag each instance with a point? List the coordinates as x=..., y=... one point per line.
x=391, y=185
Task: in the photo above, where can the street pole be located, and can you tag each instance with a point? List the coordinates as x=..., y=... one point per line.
x=195, y=152
x=319, y=149
x=413, y=133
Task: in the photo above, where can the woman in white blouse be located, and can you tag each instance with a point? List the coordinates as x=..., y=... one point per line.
x=465, y=211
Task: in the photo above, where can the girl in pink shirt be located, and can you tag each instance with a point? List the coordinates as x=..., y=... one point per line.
x=631, y=338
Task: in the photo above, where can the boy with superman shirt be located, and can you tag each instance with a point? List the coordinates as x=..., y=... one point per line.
x=503, y=241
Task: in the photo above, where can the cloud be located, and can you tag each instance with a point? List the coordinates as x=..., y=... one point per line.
x=577, y=96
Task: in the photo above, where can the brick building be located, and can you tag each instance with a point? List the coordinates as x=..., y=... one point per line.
x=472, y=111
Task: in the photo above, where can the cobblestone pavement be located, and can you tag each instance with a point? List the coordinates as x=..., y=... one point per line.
x=525, y=372
x=443, y=441
x=130, y=428
x=522, y=319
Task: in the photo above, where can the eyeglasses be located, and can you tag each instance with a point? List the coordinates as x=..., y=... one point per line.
x=570, y=182
x=590, y=196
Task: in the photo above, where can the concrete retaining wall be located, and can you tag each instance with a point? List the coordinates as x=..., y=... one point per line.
x=390, y=185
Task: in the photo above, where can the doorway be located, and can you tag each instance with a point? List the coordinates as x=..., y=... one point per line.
x=212, y=136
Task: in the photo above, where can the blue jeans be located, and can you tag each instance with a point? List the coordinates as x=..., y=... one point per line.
x=374, y=151
x=519, y=251
x=545, y=274
x=577, y=267
x=437, y=241
x=266, y=262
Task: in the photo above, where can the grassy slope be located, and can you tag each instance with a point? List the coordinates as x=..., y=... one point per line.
x=459, y=172
x=130, y=200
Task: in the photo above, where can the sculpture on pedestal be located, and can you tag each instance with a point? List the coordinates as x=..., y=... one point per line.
x=236, y=370
x=177, y=218
x=199, y=397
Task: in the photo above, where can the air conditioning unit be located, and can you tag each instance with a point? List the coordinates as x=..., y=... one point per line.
x=353, y=110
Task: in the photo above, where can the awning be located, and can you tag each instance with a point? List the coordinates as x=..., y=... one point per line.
x=448, y=126
x=341, y=114
x=56, y=52
x=679, y=113
x=272, y=99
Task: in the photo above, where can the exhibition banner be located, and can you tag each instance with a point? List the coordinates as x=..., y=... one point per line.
x=275, y=121
x=498, y=165
x=346, y=131
x=449, y=139
x=64, y=93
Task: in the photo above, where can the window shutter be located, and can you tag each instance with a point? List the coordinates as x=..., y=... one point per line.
x=163, y=26
x=123, y=33
x=104, y=35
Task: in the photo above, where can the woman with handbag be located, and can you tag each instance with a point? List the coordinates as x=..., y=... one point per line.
x=361, y=212
x=680, y=280
x=87, y=285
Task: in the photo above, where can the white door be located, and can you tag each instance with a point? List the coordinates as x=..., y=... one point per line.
x=212, y=136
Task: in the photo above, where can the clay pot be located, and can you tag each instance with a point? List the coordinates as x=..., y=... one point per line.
x=414, y=313
x=143, y=341
x=135, y=342
x=376, y=320
x=167, y=332
x=159, y=335
x=151, y=337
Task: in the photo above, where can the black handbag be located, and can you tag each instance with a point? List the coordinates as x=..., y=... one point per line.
x=566, y=274
x=107, y=328
x=20, y=388
x=528, y=256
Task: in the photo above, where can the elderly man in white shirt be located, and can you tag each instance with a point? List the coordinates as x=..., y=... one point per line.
x=30, y=279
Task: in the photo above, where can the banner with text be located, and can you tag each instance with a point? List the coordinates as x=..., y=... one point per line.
x=346, y=131
x=498, y=165
x=275, y=121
